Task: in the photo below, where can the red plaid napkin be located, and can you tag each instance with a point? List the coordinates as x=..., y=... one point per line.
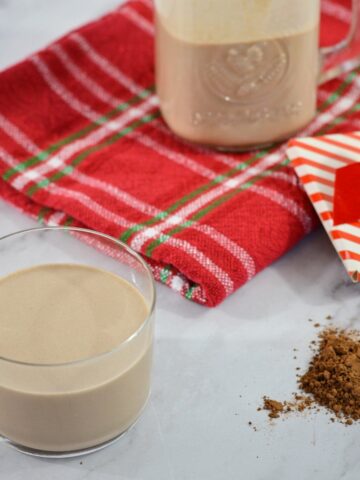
x=82, y=143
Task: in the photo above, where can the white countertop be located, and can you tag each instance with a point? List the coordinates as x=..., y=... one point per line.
x=212, y=367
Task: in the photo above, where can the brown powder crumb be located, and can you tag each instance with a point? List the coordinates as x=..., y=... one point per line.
x=273, y=407
x=317, y=325
x=332, y=379
x=329, y=317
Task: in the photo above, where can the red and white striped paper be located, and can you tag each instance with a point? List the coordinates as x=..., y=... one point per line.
x=316, y=161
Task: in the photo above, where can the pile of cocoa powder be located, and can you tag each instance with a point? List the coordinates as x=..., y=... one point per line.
x=332, y=379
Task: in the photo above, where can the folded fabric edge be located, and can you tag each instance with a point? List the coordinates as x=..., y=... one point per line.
x=166, y=274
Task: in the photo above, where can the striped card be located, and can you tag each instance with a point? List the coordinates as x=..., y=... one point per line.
x=316, y=161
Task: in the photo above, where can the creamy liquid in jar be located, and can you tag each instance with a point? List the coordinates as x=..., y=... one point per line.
x=51, y=315
x=237, y=73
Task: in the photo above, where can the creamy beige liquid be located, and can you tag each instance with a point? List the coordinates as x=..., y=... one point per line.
x=52, y=314
x=237, y=94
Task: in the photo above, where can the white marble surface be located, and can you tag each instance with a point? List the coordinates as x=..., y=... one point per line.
x=212, y=367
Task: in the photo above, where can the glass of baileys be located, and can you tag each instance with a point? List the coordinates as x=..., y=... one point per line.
x=76, y=337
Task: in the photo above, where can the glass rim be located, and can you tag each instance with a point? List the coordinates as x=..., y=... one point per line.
x=122, y=345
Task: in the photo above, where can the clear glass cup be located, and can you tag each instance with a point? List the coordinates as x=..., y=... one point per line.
x=240, y=74
x=68, y=409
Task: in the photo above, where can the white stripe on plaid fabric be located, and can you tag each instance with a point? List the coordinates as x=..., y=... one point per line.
x=355, y=123
x=56, y=219
x=340, y=12
x=92, y=86
x=113, y=72
x=82, y=77
x=238, y=252
x=174, y=156
x=174, y=281
x=227, y=159
x=235, y=249
x=140, y=238
x=117, y=219
x=58, y=159
x=343, y=104
x=61, y=91
x=290, y=177
x=84, y=109
x=286, y=203
x=104, y=64
x=335, y=110
x=231, y=183
x=8, y=159
x=37, y=174
x=14, y=132
x=72, y=194
x=95, y=89
x=147, y=3
x=217, y=272
x=170, y=154
x=137, y=19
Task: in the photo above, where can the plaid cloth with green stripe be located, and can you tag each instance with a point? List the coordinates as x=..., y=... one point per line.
x=82, y=143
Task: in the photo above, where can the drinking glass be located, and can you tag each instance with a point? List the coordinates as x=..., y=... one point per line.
x=68, y=409
x=240, y=74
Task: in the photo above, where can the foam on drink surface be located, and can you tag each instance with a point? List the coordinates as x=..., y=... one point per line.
x=86, y=330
